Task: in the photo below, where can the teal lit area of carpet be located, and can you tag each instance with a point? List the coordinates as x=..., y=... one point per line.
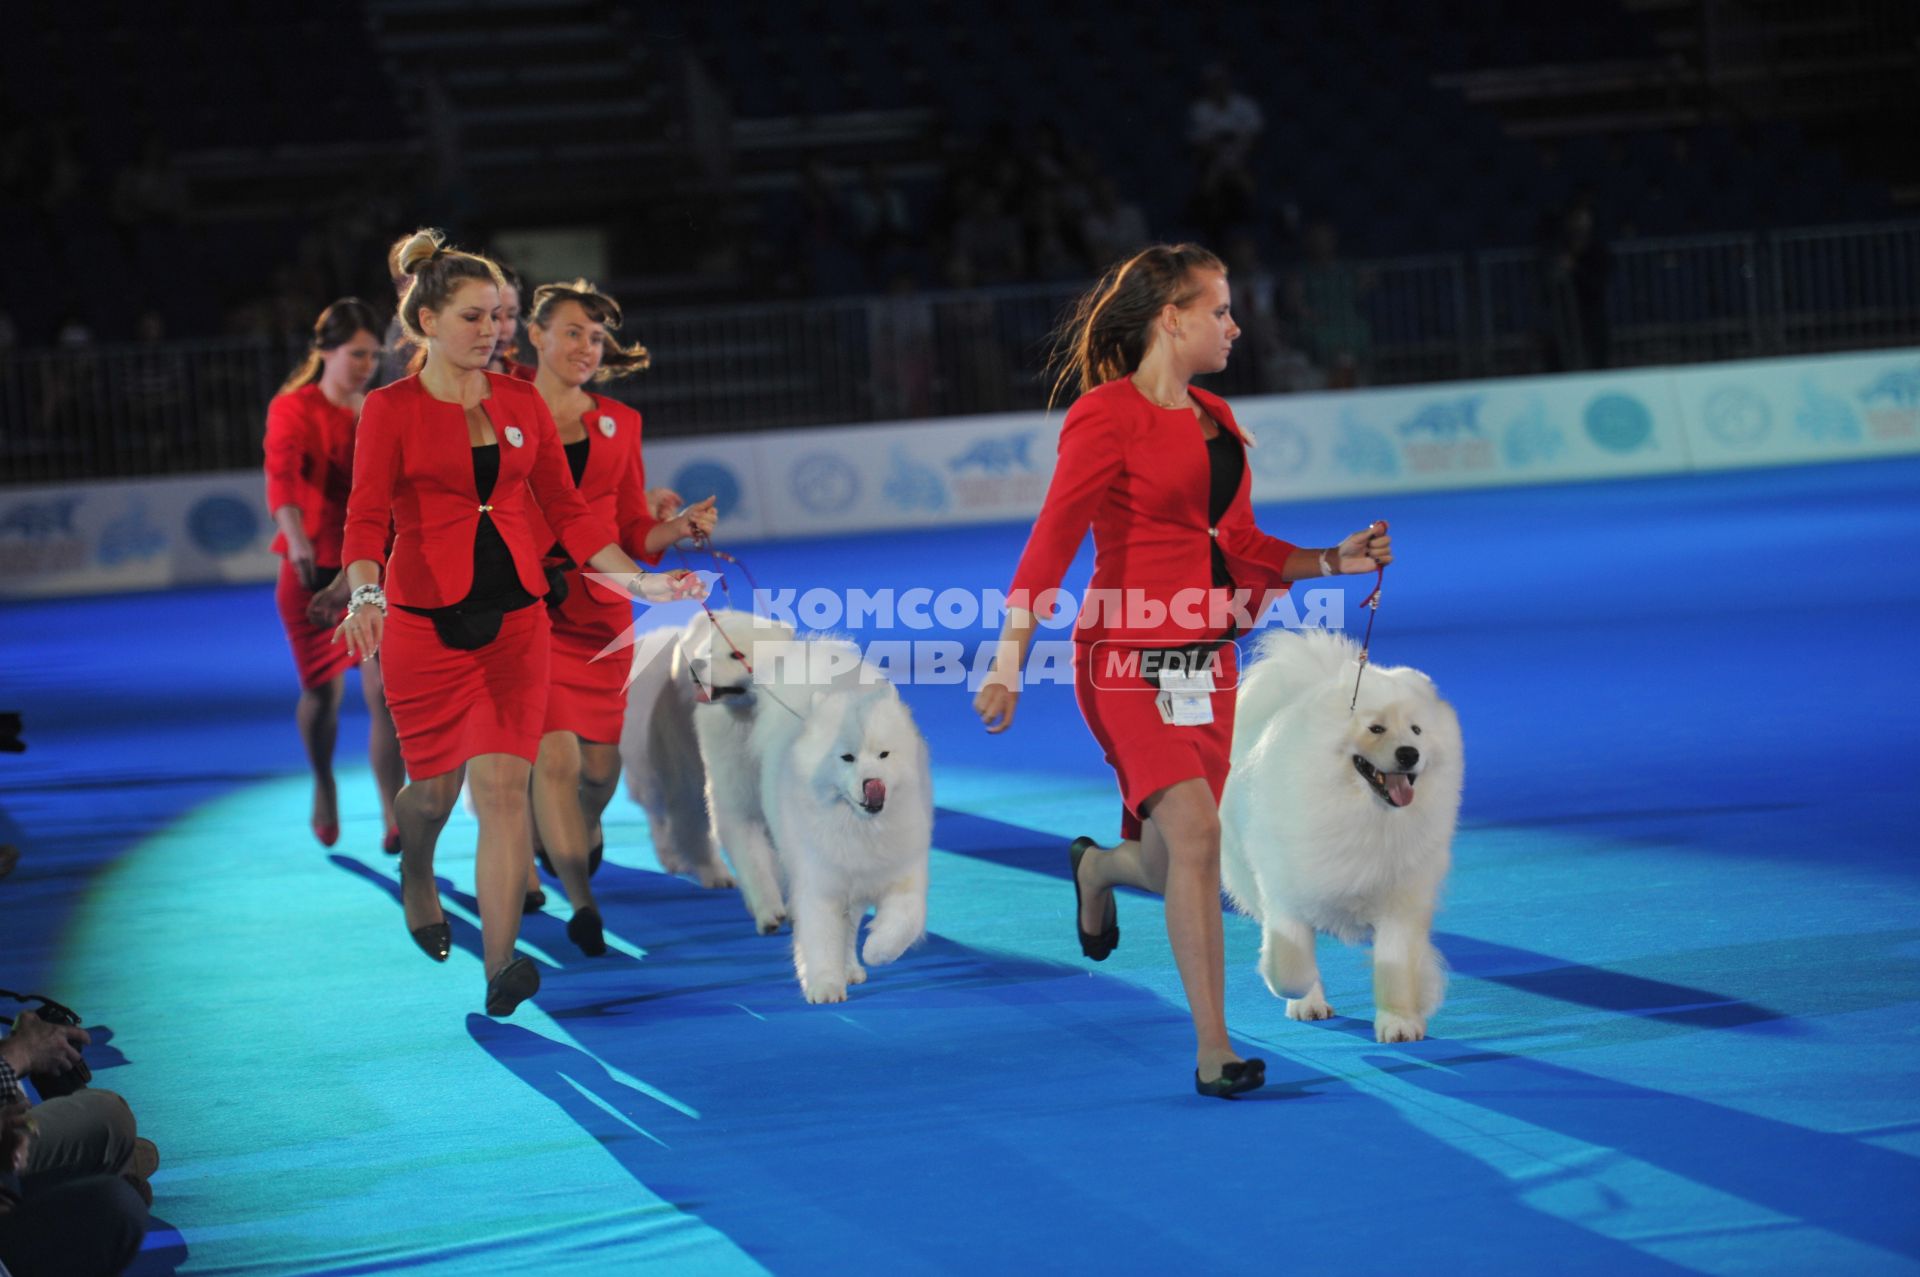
x=1684, y=926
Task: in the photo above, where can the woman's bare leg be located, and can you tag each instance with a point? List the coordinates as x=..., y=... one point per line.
x=383, y=744
x=556, y=810
x=421, y=808
x=499, y=784
x=318, y=715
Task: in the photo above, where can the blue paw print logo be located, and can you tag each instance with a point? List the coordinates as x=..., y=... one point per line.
x=824, y=483
x=1365, y=451
x=1619, y=423
x=1737, y=417
x=1825, y=418
x=697, y=480
x=913, y=486
x=223, y=526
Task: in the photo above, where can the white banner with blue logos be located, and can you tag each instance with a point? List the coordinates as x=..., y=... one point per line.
x=1827, y=408
x=153, y=533
x=141, y=534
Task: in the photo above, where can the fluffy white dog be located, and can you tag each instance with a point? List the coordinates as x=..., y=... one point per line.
x=1342, y=821
x=849, y=798
x=690, y=712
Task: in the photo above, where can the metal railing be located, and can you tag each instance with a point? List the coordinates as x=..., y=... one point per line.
x=185, y=406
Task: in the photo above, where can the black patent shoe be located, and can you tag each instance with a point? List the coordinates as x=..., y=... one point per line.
x=436, y=938
x=1098, y=946
x=535, y=901
x=586, y=931
x=517, y=981
x=1235, y=1079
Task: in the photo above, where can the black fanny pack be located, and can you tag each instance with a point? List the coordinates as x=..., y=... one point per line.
x=467, y=631
x=556, y=566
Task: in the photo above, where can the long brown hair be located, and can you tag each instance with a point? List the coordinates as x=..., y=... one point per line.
x=601, y=309
x=335, y=328
x=1104, y=337
x=434, y=272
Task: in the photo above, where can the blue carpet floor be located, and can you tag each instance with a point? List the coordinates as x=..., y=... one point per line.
x=1684, y=926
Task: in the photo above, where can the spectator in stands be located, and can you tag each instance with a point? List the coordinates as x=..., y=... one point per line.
x=73, y=1172
x=1222, y=126
x=1326, y=293
x=902, y=326
x=1575, y=267
x=881, y=221
x=309, y=469
x=1259, y=307
x=1112, y=227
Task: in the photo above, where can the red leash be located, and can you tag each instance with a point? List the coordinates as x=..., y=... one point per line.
x=1372, y=604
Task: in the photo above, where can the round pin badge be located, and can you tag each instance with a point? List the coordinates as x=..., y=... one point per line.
x=607, y=427
x=514, y=436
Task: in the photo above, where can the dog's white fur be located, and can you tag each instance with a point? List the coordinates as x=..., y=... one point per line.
x=820, y=767
x=1307, y=842
x=690, y=714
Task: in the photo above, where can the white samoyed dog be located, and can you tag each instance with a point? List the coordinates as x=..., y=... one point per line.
x=849, y=799
x=690, y=711
x=1342, y=821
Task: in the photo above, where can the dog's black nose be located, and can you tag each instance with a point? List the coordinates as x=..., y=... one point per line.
x=1406, y=756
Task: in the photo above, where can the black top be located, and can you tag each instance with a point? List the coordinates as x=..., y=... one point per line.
x=1228, y=462
x=496, y=582
x=577, y=457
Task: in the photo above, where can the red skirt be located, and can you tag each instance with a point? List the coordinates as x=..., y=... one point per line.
x=587, y=697
x=1146, y=753
x=319, y=659
x=449, y=706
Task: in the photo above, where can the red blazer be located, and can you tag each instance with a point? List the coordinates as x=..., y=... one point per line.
x=1139, y=474
x=310, y=465
x=614, y=486
x=413, y=464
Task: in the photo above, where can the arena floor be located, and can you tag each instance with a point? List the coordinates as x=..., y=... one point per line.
x=1684, y=927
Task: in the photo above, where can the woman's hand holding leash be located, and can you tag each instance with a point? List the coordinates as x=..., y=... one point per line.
x=667, y=587
x=1367, y=550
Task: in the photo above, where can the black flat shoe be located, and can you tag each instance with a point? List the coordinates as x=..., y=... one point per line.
x=436, y=938
x=586, y=930
x=1099, y=946
x=536, y=901
x=517, y=981
x=1235, y=1079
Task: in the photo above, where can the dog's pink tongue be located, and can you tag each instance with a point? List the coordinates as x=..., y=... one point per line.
x=873, y=793
x=1399, y=789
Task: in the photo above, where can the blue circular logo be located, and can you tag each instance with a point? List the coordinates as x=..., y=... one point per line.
x=698, y=480
x=825, y=484
x=223, y=526
x=1619, y=423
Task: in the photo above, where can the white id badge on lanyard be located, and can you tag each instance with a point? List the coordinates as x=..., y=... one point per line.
x=1186, y=700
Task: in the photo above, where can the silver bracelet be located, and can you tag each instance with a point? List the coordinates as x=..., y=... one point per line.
x=1326, y=568
x=367, y=596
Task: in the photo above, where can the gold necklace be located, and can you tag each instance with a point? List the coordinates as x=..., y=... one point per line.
x=1186, y=400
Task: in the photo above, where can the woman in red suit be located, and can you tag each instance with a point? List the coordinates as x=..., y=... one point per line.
x=574, y=329
x=309, y=450
x=462, y=463
x=1157, y=467
x=506, y=342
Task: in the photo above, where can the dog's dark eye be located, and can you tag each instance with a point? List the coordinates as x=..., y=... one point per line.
x=846, y=758
x=1416, y=729
x=885, y=752
x=1378, y=730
